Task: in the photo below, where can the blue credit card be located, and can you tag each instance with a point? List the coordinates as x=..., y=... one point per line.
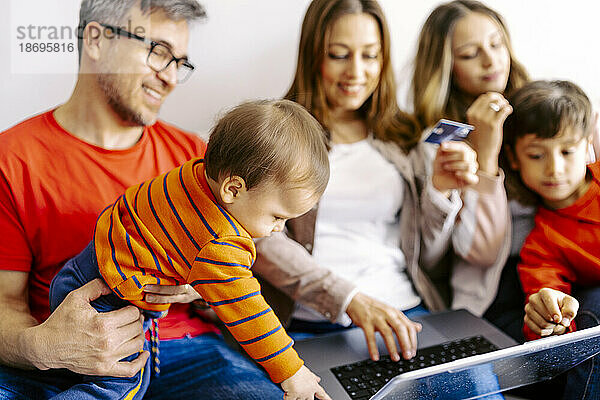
x=446, y=130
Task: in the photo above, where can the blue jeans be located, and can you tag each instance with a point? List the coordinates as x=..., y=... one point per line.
x=191, y=368
x=202, y=367
x=583, y=381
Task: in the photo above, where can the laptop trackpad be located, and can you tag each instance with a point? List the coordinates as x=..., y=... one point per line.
x=430, y=336
x=334, y=349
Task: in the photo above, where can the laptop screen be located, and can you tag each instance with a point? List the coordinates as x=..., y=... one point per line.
x=494, y=372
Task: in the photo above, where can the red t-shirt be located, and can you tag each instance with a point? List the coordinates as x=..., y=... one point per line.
x=53, y=186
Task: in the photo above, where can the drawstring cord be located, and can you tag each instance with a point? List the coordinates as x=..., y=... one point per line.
x=154, y=347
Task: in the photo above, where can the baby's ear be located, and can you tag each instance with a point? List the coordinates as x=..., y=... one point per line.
x=231, y=188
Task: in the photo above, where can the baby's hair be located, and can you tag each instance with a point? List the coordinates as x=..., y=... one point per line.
x=545, y=108
x=269, y=140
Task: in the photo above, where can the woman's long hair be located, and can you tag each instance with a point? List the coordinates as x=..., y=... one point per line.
x=380, y=110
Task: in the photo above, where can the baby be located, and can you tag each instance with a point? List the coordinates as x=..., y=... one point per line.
x=266, y=162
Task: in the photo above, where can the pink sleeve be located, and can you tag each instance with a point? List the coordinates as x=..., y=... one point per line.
x=483, y=222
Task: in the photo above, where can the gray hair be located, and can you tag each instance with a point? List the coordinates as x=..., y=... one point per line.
x=114, y=12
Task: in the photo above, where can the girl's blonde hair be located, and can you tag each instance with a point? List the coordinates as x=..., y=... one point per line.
x=434, y=94
x=380, y=110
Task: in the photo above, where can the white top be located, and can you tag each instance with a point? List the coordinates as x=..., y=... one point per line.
x=357, y=230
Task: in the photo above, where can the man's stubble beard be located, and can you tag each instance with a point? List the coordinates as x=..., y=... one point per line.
x=109, y=85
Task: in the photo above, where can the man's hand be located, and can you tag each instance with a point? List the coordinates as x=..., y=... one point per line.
x=550, y=312
x=79, y=338
x=374, y=316
x=163, y=294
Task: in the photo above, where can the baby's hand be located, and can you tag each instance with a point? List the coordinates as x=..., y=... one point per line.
x=303, y=385
x=454, y=167
x=550, y=312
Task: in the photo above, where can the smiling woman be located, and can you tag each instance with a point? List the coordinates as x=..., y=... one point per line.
x=356, y=257
x=352, y=66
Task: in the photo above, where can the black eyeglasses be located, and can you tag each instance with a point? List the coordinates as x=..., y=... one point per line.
x=159, y=56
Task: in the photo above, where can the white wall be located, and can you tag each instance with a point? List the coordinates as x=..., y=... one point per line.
x=247, y=49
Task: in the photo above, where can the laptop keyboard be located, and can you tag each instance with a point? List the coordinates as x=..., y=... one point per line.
x=363, y=379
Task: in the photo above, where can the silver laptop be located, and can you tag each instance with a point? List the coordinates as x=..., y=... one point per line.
x=497, y=371
x=325, y=352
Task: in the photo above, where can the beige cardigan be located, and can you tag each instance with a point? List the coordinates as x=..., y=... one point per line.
x=426, y=223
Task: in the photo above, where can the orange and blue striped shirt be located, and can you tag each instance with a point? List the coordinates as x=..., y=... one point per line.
x=171, y=231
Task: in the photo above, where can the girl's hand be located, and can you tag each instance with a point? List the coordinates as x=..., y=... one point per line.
x=550, y=312
x=487, y=114
x=455, y=166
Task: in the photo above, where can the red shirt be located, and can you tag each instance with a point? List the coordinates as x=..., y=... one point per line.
x=564, y=246
x=53, y=186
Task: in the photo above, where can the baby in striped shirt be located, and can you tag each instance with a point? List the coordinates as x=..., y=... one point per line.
x=266, y=162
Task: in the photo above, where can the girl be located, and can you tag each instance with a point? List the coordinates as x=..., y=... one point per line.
x=463, y=67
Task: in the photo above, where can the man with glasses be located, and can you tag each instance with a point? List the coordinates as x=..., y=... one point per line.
x=159, y=55
x=58, y=171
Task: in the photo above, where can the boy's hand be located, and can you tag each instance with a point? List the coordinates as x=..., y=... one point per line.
x=303, y=385
x=455, y=166
x=550, y=312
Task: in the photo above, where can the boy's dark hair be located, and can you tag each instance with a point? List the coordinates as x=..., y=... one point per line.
x=545, y=108
x=269, y=140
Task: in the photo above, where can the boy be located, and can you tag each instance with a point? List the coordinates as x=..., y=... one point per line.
x=266, y=162
x=545, y=142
